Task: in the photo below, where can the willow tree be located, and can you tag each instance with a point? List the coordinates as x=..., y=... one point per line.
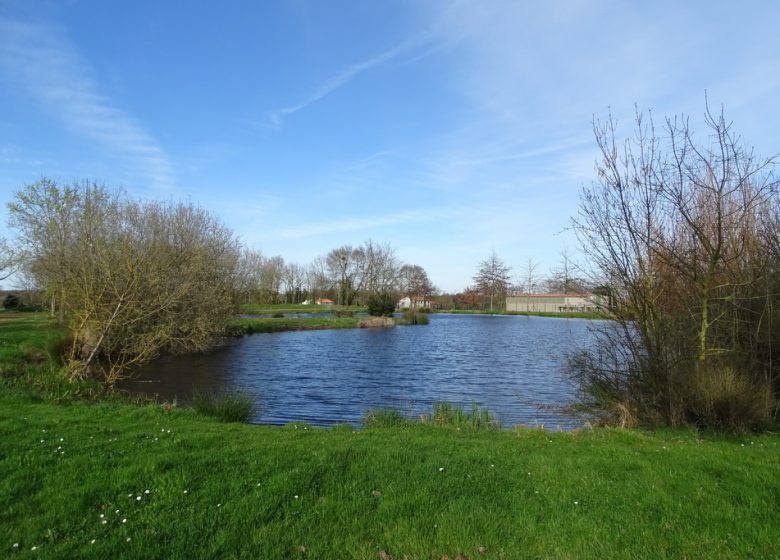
x=129, y=279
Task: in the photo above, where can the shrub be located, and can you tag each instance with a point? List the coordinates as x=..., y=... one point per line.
x=11, y=301
x=225, y=407
x=725, y=398
x=381, y=305
x=413, y=317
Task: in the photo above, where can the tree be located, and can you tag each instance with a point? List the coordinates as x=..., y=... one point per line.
x=492, y=278
x=342, y=270
x=416, y=285
x=563, y=279
x=129, y=279
x=249, y=275
x=530, y=279
x=681, y=231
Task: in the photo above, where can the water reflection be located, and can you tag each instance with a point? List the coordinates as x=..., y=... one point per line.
x=508, y=364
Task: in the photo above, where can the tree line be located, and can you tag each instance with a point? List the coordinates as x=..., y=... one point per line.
x=346, y=275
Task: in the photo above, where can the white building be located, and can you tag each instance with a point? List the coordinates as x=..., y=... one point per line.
x=553, y=303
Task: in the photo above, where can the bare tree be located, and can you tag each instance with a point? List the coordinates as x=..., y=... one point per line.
x=492, y=278
x=416, y=285
x=529, y=282
x=676, y=227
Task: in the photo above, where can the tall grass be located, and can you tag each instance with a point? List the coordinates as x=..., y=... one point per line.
x=384, y=418
x=224, y=406
x=413, y=317
x=442, y=414
x=448, y=414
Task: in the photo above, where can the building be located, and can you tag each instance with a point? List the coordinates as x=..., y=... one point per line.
x=419, y=303
x=553, y=303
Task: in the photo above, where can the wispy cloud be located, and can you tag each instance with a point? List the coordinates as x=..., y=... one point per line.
x=419, y=45
x=357, y=224
x=49, y=68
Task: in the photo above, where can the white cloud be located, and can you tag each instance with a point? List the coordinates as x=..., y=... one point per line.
x=49, y=68
x=415, y=48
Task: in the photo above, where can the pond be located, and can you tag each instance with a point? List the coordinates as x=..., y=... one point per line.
x=512, y=365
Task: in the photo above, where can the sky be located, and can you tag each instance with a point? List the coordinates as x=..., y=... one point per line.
x=447, y=128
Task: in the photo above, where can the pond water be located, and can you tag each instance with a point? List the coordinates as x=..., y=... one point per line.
x=512, y=365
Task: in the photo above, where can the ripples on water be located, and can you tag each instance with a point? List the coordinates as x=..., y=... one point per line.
x=508, y=364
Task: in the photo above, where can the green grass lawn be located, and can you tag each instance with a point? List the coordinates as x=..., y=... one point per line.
x=74, y=482
x=104, y=479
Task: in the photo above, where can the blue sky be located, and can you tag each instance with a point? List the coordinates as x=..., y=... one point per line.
x=447, y=128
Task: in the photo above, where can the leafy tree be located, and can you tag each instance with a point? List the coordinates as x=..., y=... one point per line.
x=129, y=279
x=381, y=305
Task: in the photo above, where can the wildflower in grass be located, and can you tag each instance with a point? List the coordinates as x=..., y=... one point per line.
x=124, y=520
x=92, y=541
x=104, y=521
x=296, y=496
x=185, y=491
x=117, y=511
x=146, y=491
x=128, y=539
x=16, y=545
x=441, y=469
x=138, y=498
x=34, y=548
x=576, y=503
x=102, y=516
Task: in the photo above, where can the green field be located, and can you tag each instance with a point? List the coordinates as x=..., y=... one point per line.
x=263, y=309
x=98, y=479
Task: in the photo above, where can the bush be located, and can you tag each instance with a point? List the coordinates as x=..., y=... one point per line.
x=413, y=317
x=727, y=399
x=225, y=407
x=11, y=301
x=381, y=305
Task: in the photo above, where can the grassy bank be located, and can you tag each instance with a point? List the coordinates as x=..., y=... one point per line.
x=582, y=315
x=74, y=482
x=263, y=309
x=278, y=324
x=104, y=479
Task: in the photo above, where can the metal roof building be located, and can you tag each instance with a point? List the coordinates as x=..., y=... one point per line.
x=551, y=303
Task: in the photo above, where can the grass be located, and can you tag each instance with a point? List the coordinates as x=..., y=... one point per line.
x=247, y=325
x=225, y=407
x=107, y=479
x=238, y=491
x=263, y=309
